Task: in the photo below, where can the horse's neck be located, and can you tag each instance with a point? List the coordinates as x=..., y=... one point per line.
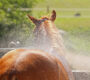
x=41, y=40
x=58, y=48
x=55, y=39
x=48, y=37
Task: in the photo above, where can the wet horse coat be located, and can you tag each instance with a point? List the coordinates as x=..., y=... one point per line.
x=25, y=64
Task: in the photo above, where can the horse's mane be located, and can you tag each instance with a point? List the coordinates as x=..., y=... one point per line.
x=45, y=17
x=54, y=35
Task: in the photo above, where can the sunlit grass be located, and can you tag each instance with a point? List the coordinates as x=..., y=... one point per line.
x=64, y=3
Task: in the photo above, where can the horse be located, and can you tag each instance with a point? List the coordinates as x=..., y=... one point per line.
x=46, y=35
x=49, y=39
x=34, y=64
x=27, y=64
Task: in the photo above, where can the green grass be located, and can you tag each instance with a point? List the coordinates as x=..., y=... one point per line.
x=64, y=3
x=73, y=24
x=78, y=30
x=81, y=44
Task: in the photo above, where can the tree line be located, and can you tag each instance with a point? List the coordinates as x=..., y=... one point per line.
x=14, y=24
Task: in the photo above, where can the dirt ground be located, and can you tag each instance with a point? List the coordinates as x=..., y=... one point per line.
x=78, y=62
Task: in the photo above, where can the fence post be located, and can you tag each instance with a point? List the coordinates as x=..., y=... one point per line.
x=47, y=9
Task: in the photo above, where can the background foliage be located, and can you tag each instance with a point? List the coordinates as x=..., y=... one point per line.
x=14, y=24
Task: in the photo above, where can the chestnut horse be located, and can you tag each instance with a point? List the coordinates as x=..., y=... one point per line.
x=25, y=64
x=46, y=34
x=34, y=64
x=48, y=38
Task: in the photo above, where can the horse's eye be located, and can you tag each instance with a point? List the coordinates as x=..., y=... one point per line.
x=14, y=78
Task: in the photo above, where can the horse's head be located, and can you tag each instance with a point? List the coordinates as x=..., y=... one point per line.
x=43, y=29
x=39, y=22
x=43, y=24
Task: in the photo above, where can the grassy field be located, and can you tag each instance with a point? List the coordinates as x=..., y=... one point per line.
x=65, y=3
x=77, y=28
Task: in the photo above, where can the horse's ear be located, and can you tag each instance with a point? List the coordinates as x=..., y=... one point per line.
x=53, y=16
x=34, y=20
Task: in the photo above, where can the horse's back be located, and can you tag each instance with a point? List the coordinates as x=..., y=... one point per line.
x=27, y=64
